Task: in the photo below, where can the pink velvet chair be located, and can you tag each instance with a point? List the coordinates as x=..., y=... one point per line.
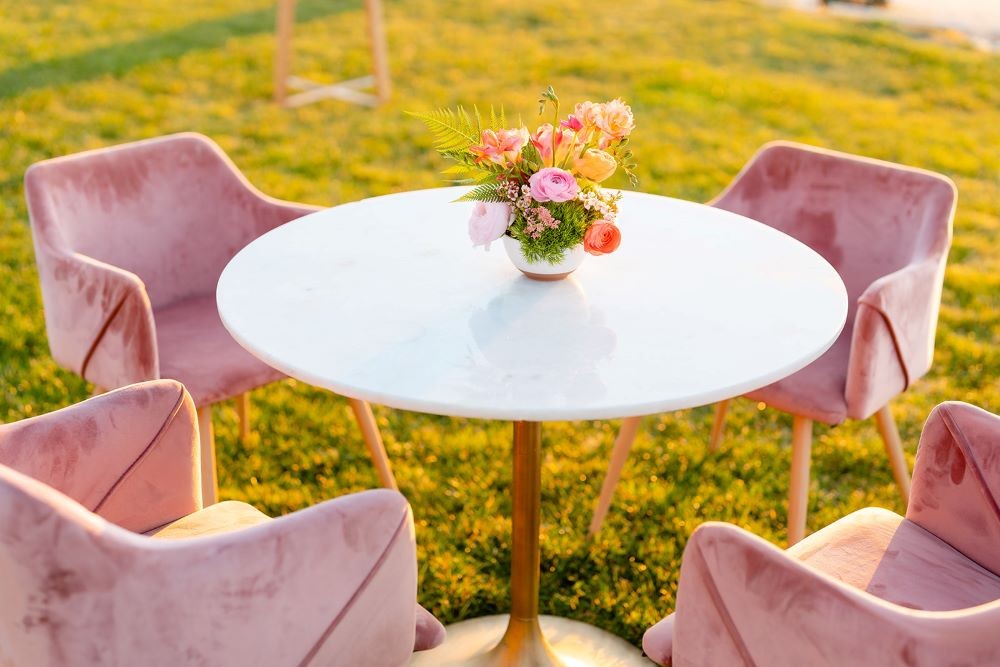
x=870, y=589
x=130, y=242
x=886, y=228
x=107, y=557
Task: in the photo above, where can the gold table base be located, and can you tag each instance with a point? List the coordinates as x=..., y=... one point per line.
x=566, y=643
x=522, y=639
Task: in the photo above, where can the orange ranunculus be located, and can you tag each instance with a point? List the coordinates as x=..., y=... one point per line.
x=595, y=164
x=601, y=238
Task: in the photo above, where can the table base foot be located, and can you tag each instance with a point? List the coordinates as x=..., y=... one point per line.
x=565, y=643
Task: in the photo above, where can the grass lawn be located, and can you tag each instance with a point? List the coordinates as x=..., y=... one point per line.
x=708, y=81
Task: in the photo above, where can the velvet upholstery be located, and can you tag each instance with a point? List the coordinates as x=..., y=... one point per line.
x=886, y=228
x=873, y=588
x=334, y=584
x=130, y=242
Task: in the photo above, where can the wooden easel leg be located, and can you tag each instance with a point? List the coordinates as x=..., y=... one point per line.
x=283, y=49
x=380, y=59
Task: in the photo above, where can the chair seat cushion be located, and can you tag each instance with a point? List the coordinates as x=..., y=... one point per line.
x=233, y=515
x=892, y=558
x=215, y=519
x=817, y=391
x=196, y=350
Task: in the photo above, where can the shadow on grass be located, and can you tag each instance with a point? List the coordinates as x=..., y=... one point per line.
x=120, y=58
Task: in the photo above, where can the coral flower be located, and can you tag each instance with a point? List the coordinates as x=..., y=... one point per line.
x=501, y=147
x=602, y=237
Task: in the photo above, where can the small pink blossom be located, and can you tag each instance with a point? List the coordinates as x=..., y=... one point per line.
x=553, y=184
x=501, y=146
x=572, y=123
x=488, y=222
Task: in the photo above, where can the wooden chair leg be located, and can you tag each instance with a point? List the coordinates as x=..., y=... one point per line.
x=373, y=439
x=283, y=48
x=719, y=425
x=798, y=493
x=894, y=450
x=243, y=410
x=209, y=477
x=619, y=454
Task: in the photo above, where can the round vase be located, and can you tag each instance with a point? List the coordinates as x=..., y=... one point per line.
x=543, y=270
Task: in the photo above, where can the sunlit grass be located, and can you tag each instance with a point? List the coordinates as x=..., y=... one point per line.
x=709, y=82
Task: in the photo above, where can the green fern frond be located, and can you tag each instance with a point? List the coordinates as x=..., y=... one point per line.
x=484, y=192
x=497, y=122
x=452, y=130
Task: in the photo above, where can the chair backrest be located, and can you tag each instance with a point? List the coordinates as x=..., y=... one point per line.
x=866, y=217
x=956, y=481
x=172, y=210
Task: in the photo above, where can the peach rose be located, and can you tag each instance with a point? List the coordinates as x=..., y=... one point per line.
x=601, y=238
x=596, y=165
x=615, y=120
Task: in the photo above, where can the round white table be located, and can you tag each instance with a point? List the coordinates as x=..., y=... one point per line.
x=385, y=300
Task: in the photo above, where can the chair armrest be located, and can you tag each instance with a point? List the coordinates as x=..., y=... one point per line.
x=98, y=319
x=131, y=455
x=956, y=481
x=337, y=582
x=743, y=601
x=908, y=300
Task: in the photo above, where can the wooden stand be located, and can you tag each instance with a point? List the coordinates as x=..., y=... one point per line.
x=352, y=90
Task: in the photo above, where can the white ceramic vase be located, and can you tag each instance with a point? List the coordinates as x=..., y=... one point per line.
x=542, y=270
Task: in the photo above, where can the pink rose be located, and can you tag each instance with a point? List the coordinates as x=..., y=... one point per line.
x=553, y=184
x=489, y=221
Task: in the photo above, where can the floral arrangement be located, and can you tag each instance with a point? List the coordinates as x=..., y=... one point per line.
x=542, y=189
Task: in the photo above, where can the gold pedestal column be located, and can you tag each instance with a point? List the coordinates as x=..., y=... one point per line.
x=522, y=643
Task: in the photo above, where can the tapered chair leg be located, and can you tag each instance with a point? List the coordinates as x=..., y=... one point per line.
x=798, y=493
x=209, y=476
x=373, y=439
x=894, y=450
x=719, y=425
x=243, y=410
x=619, y=454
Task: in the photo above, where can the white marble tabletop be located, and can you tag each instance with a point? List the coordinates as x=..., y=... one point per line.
x=386, y=300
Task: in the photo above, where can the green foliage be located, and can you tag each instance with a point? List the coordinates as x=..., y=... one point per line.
x=453, y=130
x=483, y=192
x=552, y=244
x=709, y=82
